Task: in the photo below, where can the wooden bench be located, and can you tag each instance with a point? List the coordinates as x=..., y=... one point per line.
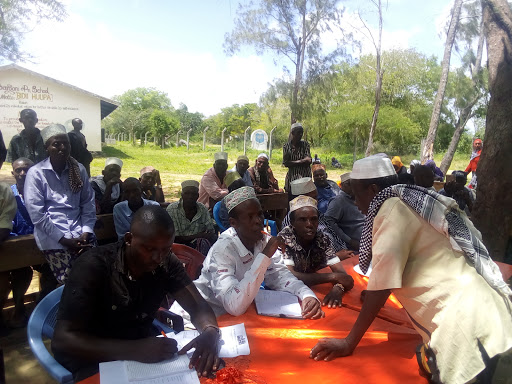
x=22, y=251
x=276, y=204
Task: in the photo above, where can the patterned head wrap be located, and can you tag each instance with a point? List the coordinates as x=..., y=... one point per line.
x=238, y=196
x=301, y=202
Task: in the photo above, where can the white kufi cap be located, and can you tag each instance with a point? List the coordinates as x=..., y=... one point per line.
x=302, y=186
x=114, y=160
x=372, y=167
x=221, y=156
x=52, y=130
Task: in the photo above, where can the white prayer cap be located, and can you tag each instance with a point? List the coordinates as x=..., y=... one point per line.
x=302, y=186
x=263, y=154
x=238, y=196
x=147, y=169
x=52, y=130
x=345, y=177
x=113, y=160
x=372, y=167
x=221, y=156
x=296, y=125
x=301, y=202
x=189, y=183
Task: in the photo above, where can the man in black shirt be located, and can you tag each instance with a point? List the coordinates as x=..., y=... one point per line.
x=112, y=294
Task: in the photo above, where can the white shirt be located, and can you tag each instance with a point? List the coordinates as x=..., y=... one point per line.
x=232, y=275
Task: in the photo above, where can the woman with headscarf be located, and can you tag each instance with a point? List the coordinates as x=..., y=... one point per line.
x=413, y=165
x=473, y=162
x=400, y=168
x=296, y=156
x=60, y=202
x=438, y=174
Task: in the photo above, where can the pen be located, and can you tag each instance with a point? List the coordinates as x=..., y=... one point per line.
x=163, y=334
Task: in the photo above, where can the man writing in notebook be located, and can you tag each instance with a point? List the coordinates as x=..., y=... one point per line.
x=243, y=257
x=112, y=294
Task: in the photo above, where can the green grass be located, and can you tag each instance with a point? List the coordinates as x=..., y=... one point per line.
x=178, y=164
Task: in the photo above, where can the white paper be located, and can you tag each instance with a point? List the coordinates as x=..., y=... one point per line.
x=138, y=371
x=278, y=304
x=233, y=340
x=117, y=372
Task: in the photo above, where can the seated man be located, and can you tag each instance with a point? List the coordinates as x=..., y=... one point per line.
x=241, y=166
x=305, y=187
x=212, y=187
x=124, y=211
x=344, y=218
x=457, y=190
x=243, y=257
x=7, y=213
x=192, y=222
x=327, y=189
x=335, y=163
x=262, y=177
x=423, y=177
x=107, y=187
x=151, y=184
x=308, y=250
x=110, y=300
x=233, y=181
x=427, y=252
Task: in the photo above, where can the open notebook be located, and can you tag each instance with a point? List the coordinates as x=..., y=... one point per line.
x=277, y=304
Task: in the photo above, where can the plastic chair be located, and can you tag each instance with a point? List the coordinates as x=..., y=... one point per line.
x=41, y=323
x=216, y=209
x=192, y=259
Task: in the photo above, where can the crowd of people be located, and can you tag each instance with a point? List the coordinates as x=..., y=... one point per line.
x=419, y=244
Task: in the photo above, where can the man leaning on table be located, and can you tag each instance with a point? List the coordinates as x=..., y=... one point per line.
x=243, y=257
x=112, y=294
x=426, y=251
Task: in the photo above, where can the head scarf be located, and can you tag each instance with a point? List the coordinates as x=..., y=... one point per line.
x=397, y=161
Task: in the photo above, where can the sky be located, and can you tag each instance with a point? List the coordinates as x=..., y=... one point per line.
x=109, y=47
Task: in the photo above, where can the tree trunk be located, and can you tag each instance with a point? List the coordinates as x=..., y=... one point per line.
x=465, y=115
x=492, y=212
x=428, y=149
x=378, y=85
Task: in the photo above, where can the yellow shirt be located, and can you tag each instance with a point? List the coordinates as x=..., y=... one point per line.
x=8, y=206
x=449, y=303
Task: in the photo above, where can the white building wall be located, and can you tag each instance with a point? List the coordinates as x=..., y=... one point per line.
x=53, y=103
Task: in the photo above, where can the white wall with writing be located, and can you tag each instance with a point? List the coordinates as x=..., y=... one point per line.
x=53, y=103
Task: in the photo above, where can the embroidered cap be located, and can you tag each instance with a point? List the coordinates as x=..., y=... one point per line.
x=147, y=169
x=301, y=202
x=52, y=130
x=221, y=156
x=372, y=167
x=189, y=183
x=302, y=186
x=230, y=177
x=238, y=196
x=345, y=177
x=113, y=160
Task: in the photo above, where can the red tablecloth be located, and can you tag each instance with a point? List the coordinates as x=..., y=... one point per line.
x=280, y=347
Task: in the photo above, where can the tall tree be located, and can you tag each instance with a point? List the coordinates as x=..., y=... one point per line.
x=475, y=92
x=428, y=147
x=18, y=17
x=290, y=28
x=492, y=212
x=379, y=74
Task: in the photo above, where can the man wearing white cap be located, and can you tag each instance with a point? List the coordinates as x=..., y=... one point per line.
x=243, y=257
x=344, y=217
x=107, y=187
x=428, y=253
x=241, y=166
x=212, y=187
x=262, y=177
x=60, y=202
x=192, y=222
x=309, y=250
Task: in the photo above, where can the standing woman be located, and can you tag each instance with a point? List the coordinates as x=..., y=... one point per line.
x=296, y=156
x=60, y=202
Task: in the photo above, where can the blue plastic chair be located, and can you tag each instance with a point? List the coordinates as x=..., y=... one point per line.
x=216, y=208
x=41, y=323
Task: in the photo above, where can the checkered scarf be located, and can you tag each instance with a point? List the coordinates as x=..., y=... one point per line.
x=444, y=215
x=75, y=179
